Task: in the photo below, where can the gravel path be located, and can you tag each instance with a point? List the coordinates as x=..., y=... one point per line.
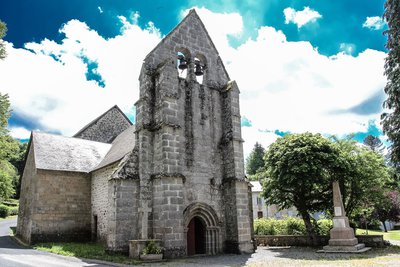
x=286, y=256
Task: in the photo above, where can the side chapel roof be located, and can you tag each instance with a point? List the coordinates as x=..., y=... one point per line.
x=55, y=152
x=122, y=145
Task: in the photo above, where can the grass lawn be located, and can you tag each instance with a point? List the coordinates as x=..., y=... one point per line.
x=390, y=235
x=84, y=250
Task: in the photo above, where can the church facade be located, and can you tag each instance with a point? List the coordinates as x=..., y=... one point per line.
x=177, y=175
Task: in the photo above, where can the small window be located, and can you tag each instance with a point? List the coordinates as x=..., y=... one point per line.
x=259, y=201
x=259, y=214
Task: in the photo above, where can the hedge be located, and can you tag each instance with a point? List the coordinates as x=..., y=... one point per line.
x=4, y=211
x=289, y=226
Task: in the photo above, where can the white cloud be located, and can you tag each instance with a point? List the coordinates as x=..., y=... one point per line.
x=347, y=48
x=57, y=93
x=284, y=85
x=374, y=23
x=20, y=133
x=300, y=18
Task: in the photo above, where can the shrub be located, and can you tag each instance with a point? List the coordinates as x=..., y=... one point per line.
x=13, y=211
x=295, y=226
x=151, y=248
x=324, y=226
x=11, y=203
x=266, y=227
x=4, y=211
x=289, y=226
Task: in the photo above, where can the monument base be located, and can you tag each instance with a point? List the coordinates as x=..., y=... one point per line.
x=359, y=248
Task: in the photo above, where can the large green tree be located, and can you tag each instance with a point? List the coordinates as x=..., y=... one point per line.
x=3, y=30
x=255, y=160
x=362, y=175
x=300, y=170
x=387, y=208
x=391, y=119
x=9, y=149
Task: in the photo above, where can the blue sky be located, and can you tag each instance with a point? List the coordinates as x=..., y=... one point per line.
x=301, y=65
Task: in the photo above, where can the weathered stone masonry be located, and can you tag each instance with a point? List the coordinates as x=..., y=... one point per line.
x=190, y=146
x=176, y=176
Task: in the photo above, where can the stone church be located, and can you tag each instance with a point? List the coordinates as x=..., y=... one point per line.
x=177, y=175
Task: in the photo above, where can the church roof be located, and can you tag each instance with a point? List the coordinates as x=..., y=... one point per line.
x=56, y=152
x=122, y=145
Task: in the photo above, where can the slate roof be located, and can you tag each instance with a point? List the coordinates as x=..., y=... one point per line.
x=56, y=152
x=122, y=145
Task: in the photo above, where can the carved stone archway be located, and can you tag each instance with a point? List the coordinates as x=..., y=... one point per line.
x=210, y=220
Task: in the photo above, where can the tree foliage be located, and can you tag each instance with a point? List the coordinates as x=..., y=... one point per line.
x=362, y=174
x=391, y=120
x=374, y=143
x=3, y=30
x=300, y=169
x=255, y=161
x=387, y=208
x=5, y=113
x=8, y=177
x=12, y=154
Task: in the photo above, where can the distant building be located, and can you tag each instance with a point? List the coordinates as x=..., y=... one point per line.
x=262, y=210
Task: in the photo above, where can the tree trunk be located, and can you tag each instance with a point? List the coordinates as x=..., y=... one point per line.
x=384, y=226
x=309, y=227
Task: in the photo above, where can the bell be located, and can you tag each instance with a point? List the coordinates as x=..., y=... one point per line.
x=182, y=62
x=199, y=69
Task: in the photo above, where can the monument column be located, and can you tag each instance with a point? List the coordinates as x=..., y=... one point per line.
x=342, y=238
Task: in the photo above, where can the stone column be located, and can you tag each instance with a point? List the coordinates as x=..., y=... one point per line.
x=342, y=238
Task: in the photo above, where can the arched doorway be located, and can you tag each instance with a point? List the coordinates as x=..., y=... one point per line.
x=196, y=237
x=202, y=229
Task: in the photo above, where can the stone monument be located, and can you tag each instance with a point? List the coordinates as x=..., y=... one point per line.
x=342, y=238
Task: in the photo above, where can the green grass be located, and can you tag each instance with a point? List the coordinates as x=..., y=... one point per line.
x=84, y=250
x=390, y=235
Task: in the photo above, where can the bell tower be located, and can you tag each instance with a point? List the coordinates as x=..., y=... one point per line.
x=190, y=149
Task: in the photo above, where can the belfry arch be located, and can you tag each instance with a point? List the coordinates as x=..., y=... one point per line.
x=201, y=224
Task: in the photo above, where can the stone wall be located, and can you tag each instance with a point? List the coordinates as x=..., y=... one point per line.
x=105, y=128
x=167, y=216
x=61, y=210
x=238, y=217
x=100, y=202
x=26, y=201
x=123, y=196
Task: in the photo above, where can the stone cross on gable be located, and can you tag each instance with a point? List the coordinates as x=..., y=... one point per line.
x=144, y=212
